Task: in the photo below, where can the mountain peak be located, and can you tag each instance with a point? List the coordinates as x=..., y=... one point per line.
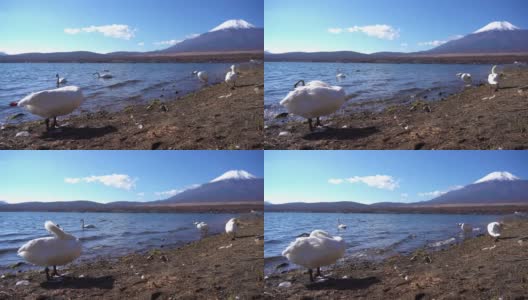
x=233, y=24
x=498, y=176
x=498, y=25
x=234, y=175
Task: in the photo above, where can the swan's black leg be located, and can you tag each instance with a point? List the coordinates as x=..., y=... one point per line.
x=47, y=273
x=54, y=122
x=318, y=272
x=55, y=273
x=310, y=272
x=47, y=124
x=318, y=122
x=310, y=124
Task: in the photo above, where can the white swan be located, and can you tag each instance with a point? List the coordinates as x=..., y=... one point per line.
x=203, y=227
x=340, y=225
x=52, y=103
x=58, y=250
x=202, y=76
x=494, y=79
x=340, y=76
x=231, y=227
x=88, y=226
x=495, y=229
x=317, y=250
x=466, y=77
x=104, y=76
x=231, y=77
x=465, y=227
x=60, y=80
x=314, y=100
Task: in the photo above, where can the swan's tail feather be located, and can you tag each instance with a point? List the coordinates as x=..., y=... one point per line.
x=54, y=229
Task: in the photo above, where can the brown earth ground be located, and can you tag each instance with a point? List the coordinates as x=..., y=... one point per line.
x=200, y=120
x=199, y=270
x=470, y=270
x=460, y=121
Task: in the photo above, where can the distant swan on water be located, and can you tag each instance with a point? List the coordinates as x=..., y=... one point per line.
x=203, y=227
x=58, y=250
x=202, y=76
x=315, y=251
x=340, y=225
x=88, y=226
x=103, y=76
x=466, y=77
x=60, y=80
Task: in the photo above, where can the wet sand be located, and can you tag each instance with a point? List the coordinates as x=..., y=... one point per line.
x=465, y=120
x=199, y=270
x=200, y=120
x=470, y=270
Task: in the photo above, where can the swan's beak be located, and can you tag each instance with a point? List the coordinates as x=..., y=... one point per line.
x=13, y=104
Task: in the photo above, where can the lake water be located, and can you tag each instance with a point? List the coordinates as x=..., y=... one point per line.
x=115, y=234
x=369, y=236
x=375, y=85
x=132, y=82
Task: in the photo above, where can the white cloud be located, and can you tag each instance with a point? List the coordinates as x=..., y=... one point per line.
x=174, y=192
x=141, y=44
x=141, y=194
x=435, y=194
x=168, y=43
x=335, y=181
x=192, y=35
x=437, y=43
x=404, y=45
x=384, y=32
x=384, y=182
x=118, y=31
x=335, y=30
x=404, y=195
x=120, y=181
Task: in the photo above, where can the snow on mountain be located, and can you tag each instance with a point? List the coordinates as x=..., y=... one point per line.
x=498, y=176
x=498, y=25
x=234, y=175
x=233, y=24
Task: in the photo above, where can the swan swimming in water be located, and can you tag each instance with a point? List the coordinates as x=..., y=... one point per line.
x=231, y=77
x=203, y=227
x=317, y=250
x=103, y=76
x=466, y=77
x=202, y=76
x=314, y=99
x=60, y=80
x=88, y=226
x=231, y=227
x=341, y=226
x=52, y=103
x=58, y=250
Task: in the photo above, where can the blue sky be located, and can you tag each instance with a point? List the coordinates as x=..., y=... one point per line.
x=404, y=176
x=106, y=176
x=411, y=25
x=43, y=26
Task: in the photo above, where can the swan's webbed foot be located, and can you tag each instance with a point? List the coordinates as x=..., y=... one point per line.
x=310, y=272
x=47, y=121
x=54, y=122
x=310, y=124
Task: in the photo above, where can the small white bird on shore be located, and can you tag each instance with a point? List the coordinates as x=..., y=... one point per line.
x=58, y=250
x=202, y=76
x=87, y=226
x=203, y=227
x=315, y=251
x=494, y=79
x=340, y=225
x=495, y=229
x=52, y=103
x=231, y=227
x=314, y=100
x=231, y=77
x=466, y=77
x=60, y=80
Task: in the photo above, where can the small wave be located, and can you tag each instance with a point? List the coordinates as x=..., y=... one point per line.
x=442, y=243
x=128, y=233
x=154, y=87
x=123, y=83
x=8, y=250
x=272, y=242
x=92, y=238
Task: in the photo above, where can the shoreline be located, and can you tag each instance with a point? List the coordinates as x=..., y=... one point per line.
x=199, y=269
x=475, y=268
x=214, y=117
x=465, y=120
